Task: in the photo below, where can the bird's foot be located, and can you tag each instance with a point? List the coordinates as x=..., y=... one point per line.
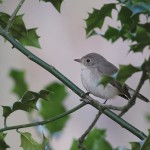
x=85, y=94
x=105, y=101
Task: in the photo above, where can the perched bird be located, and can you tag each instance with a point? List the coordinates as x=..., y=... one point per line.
x=93, y=67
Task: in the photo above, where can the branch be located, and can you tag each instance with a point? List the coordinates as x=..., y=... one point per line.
x=81, y=139
x=92, y=101
x=68, y=83
x=45, y=121
x=10, y=21
x=132, y=101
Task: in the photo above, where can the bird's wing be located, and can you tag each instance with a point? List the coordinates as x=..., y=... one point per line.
x=123, y=89
x=107, y=68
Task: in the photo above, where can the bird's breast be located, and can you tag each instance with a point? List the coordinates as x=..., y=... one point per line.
x=91, y=81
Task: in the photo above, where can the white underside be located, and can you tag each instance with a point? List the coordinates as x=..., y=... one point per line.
x=91, y=82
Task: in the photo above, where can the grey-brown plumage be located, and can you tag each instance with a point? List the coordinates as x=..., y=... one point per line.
x=93, y=67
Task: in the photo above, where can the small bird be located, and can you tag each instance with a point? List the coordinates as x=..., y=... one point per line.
x=93, y=67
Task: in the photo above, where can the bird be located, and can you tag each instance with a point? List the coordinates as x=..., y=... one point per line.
x=93, y=68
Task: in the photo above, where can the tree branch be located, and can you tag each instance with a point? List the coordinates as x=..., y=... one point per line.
x=132, y=101
x=71, y=85
x=82, y=138
x=10, y=21
x=45, y=121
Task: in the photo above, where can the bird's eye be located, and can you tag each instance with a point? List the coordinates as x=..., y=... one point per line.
x=88, y=60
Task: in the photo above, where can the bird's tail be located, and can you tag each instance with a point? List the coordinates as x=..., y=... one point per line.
x=140, y=96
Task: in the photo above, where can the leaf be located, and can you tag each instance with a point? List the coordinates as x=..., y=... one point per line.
x=56, y=4
x=126, y=71
x=74, y=145
x=146, y=144
x=135, y=145
x=1, y=1
x=28, y=143
x=106, y=79
x=27, y=102
x=128, y=20
x=97, y=17
x=96, y=140
x=112, y=34
x=54, y=108
x=27, y=37
x=3, y=145
x=139, y=8
x=6, y=111
x=20, y=84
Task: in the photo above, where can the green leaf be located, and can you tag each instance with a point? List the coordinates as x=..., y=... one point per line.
x=56, y=4
x=127, y=20
x=106, y=79
x=27, y=102
x=28, y=143
x=146, y=144
x=139, y=8
x=74, y=145
x=48, y=110
x=97, y=17
x=126, y=71
x=20, y=86
x=3, y=145
x=112, y=34
x=135, y=145
x=1, y=1
x=6, y=111
x=27, y=37
x=96, y=140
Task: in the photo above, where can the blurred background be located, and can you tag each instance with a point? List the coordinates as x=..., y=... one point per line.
x=62, y=39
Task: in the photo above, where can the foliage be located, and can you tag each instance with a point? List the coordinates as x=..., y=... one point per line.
x=27, y=37
x=56, y=4
x=3, y=145
x=54, y=108
x=27, y=142
x=96, y=140
x=130, y=28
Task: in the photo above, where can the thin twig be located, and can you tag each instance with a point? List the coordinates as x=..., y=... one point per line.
x=45, y=121
x=90, y=100
x=82, y=138
x=11, y=19
x=133, y=98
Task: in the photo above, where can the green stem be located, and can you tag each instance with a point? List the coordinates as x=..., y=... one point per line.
x=44, y=122
x=71, y=85
x=10, y=21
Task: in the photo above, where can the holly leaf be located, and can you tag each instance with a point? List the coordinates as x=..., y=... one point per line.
x=97, y=17
x=3, y=145
x=112, y=34
x=27, y=102
x=106, y=79
x=135, y=145
x=94, y=141
x=27, y=37
x=56, y=4
x=146, y=144
x=126, y=71
x=27, y=142
x=139, y=7
x=48, y=110
x=20, y=85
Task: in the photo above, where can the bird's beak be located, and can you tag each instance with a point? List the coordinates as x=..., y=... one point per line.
x=78, y=60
